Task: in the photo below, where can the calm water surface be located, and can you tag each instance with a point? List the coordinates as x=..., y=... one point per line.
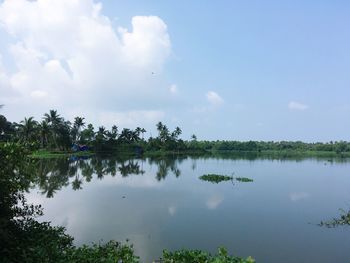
x=160, y=203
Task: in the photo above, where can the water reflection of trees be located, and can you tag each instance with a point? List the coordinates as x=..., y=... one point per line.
x=270, y=156
x=166, y=165
x=54, y=174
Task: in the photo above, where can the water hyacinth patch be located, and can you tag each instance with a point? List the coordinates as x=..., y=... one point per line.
x=343, y=220
x=244, y=179
x=215, y=178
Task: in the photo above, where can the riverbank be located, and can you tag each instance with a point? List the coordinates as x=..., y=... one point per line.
x=42, y=154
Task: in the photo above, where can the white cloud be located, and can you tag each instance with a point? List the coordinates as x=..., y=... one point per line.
x=294, y=105
x=139, y=46
x=38, y=94
x=69, y=53
x=214, y=98
x=173, y=89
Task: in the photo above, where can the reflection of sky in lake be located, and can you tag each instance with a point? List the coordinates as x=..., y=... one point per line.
x=268, y=218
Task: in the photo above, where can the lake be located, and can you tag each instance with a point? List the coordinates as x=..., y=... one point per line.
x=160, y=203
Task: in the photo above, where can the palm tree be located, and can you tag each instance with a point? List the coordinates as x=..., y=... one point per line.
x=143, y=131
x=126, y=135
x=44, y=131
x=78, y=124
x=54, y=120
x=176, y=133
x=27, y=129
x=163, y=131
x=164, y=134
x=159, y=127
x=135, y=136
x=88, y=133
x=101, y=133
x=115, y=129
x=138, y=130
x=114, y=133
x=53, y=117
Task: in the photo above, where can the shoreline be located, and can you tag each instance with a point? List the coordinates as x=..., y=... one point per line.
x=42, y=154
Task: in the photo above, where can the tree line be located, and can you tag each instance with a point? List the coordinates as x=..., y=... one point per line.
x=54, y=133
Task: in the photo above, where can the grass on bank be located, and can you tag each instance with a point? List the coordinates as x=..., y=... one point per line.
x=284, y=154
x=42, y=154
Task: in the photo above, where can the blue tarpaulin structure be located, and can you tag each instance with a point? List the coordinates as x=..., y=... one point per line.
x=79, y=148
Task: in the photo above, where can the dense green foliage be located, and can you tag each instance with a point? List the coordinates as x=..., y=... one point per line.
x=198, y=256
x=261, y=146
x=54, y=133
x=215, y=178
x=111, y=252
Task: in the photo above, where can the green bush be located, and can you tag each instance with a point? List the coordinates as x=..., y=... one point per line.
x=198, y=256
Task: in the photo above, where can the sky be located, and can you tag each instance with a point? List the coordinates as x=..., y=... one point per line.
x=226, y=70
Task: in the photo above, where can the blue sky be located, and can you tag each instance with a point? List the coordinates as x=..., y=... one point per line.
x=241, y=70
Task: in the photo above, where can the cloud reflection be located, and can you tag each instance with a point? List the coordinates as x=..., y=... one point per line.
x=297, y=196
x=214, y=201
x=172, y=210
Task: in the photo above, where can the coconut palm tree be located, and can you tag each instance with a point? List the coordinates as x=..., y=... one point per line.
x=159, y=127
x=54, y=120
x=101, y=133
x=126, y=135
x=78, y=124
x=27, y=129
x=135, y=136
x=143, y=131
x=176, y=133
x=113, y=134
x=44, y=131
x=53, y=117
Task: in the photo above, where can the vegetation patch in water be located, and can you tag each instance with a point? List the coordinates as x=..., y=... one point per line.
x=215, y=178
x=344, y=219
x=184, y=256
x=244, y=179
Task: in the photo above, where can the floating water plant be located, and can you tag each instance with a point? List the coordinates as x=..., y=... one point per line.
x=244, y=179
x=215, y=178
x=343, y=220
